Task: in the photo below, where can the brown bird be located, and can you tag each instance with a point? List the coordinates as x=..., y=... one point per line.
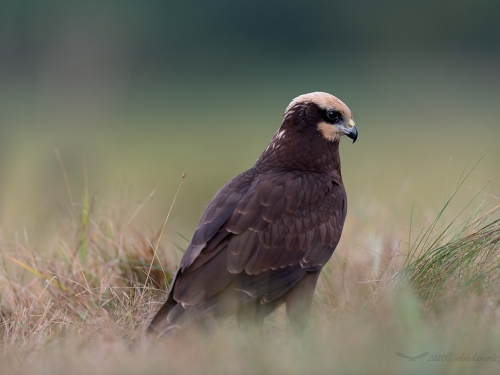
x=265, y=236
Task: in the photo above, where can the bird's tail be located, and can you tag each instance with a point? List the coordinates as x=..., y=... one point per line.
x=174, y=317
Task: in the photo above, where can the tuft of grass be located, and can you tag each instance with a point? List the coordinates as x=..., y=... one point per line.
x=447, y=260
x=468, y=263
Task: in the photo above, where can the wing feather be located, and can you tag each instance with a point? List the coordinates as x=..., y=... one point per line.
x=260, y=225
x=240, y=250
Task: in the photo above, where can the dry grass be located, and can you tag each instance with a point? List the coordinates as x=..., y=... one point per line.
x=81, y=305
x=98, y=279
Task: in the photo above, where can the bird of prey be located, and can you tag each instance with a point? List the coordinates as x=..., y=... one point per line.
x=265, y=236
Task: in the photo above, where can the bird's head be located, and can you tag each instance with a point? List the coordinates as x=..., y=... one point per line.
x=324, y=113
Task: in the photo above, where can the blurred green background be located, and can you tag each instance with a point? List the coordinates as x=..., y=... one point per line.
x=140, y=92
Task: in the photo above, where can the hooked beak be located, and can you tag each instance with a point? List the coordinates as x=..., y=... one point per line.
x=352, y=131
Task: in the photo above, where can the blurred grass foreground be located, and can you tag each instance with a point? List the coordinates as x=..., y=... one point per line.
x=104, y=106
x=82, y=305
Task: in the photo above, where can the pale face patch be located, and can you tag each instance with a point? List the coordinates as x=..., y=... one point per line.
x=329, y=132
x=326, y=102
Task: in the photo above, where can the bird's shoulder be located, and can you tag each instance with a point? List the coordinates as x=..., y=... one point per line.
x=275, y=194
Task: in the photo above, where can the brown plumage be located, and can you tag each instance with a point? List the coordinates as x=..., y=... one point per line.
x=266, y=234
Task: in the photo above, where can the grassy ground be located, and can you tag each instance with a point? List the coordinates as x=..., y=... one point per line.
x=81, y=306
x=83, y=269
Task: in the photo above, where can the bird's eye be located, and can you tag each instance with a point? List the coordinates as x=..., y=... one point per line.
x=334, y=116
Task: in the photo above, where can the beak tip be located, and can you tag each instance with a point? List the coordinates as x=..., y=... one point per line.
x=353, y=134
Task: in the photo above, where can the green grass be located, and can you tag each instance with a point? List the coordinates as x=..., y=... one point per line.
x=456, y=257
x=467, y=264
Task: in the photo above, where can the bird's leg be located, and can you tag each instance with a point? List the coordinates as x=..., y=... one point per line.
x=299, y=299
x=249, y=318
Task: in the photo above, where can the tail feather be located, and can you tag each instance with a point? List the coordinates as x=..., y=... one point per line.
x=174, y=316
